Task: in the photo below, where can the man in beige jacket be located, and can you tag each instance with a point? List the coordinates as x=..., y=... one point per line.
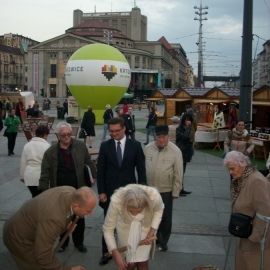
x=31, y=233
x=164, y=171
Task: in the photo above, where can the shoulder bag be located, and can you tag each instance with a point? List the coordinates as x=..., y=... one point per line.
x=240, y=225
x=5, y=133
x=82, y=134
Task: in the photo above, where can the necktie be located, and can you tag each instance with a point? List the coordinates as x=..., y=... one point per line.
x=119, y=153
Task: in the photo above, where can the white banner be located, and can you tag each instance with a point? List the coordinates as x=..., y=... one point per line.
x=97, y=73
x=35, y=74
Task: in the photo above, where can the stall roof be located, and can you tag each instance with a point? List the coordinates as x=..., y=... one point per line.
x=168, y=92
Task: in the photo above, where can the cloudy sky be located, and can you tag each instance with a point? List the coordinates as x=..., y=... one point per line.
x=174, y=19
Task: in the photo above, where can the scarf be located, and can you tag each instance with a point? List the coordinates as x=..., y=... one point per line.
x=134, y=237
x=236, y=184
x=239, y=135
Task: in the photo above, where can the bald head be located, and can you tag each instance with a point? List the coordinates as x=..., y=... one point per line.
x=83, y=201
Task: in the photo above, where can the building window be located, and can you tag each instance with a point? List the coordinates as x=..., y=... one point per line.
x=53, y=71
x=52, y=90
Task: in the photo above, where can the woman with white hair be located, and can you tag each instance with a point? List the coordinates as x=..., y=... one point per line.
x=135, y=211
x=250, y=192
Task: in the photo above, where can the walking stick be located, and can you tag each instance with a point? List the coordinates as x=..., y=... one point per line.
x=70, y=229
x=123, y=249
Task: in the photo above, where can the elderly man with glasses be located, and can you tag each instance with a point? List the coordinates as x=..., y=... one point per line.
x=63, y=165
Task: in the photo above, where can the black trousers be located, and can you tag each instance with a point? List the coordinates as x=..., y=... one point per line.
x=165, y=226
x=11, y=136
x=77, y=235
x=105, y=207
x=34, y=190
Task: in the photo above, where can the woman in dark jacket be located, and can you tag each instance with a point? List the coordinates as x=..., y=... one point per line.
x=88, y=124
x=183, y=142
x=152, y=122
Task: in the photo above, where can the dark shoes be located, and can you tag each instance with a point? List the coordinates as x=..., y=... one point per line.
x=104, y=260
x=163, y=247
x=184, y=193
x=145, y=143
x=82, y=248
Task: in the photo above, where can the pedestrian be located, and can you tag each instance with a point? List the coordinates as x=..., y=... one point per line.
x=172, y=128
x=1, y=107
x=135, y=212
x=63, y=165
x=45, y=106
x=125, y=108
x=65, y=105
x=30, y=233
x=250, y=198
x=183, y=134
x=18, y=110
x=35, y=109
x=49, y=103
x=118, y=158
x=130, y=123
x=31, y=159
x=29, y=111
x=164, y=171
x=151, y=124
x=88, y=124
x=12, y=122
x=108, y=114
x=119, y=113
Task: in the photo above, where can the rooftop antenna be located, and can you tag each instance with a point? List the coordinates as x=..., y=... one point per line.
x=95, y=9
x=134, y=3
x=111, y=6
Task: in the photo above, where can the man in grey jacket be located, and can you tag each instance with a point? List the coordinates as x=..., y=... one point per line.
x=164, y=171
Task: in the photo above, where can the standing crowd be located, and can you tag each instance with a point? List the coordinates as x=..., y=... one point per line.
x=136, y=190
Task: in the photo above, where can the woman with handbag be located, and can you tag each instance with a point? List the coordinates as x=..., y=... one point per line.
x=135, y=212
x=151, y=124
x=88, y=124
x=250, y=192
x=12, y=122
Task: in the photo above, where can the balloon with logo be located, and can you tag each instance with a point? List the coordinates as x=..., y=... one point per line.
x=97, y=75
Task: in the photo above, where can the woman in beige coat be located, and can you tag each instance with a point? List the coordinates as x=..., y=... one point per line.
x=250, y=192
x=135, y=211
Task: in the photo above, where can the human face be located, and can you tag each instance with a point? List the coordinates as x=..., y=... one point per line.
x=64, y=136
x=187, y=122
x=162, y=140
x=134, y=211
x=235, y=170
x=117, y=132
x=130, y=110
x=12, y=113
x=83, y=210
x=121, y=111
x=240, y=126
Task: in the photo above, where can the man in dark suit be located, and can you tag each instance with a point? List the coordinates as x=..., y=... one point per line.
x=130, y=124
x=31, y=233
x=117, y=160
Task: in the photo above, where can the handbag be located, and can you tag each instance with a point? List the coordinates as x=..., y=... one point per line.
x=88, y=176
x=240, y=225
x=82, y=134
x=5, y=133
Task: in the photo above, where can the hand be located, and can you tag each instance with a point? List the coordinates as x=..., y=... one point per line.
x=151, y=233
x=77, y=267
x=119, y=260
x=103, y=197
x=22, y=180
x=251, y=240
x=174, y=197
x=246, y=153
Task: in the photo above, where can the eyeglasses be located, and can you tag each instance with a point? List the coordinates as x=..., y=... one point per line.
x=65, y=135
x=115, y=131
x=231, y=169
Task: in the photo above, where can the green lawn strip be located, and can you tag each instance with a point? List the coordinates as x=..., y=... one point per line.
x=259, y=162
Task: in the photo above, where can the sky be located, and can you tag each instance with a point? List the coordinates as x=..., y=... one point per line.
x=173, y=19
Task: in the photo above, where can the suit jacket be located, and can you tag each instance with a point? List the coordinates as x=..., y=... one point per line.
x=110, y=176
x=31, y=233
x=129, y=123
